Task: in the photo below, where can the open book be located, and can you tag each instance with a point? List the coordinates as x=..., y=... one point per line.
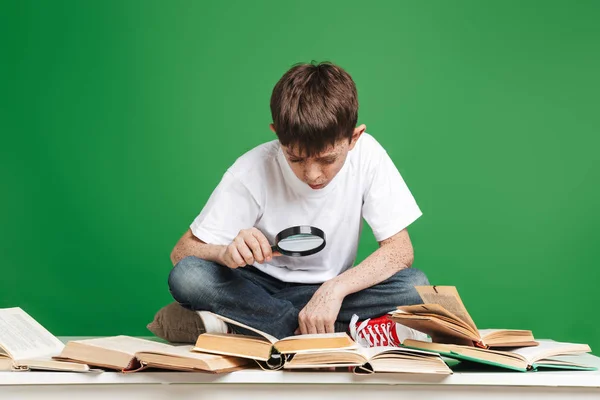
x=130, y=354
x=267, y=350
x=518, y=359
x=445, y=318
x=271, y=353
x=25, y=344
x=318, y=351
x=372, y=359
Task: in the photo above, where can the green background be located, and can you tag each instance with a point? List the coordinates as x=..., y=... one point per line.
x=118, y=118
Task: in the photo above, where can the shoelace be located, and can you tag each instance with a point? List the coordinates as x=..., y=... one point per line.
x=370, y=335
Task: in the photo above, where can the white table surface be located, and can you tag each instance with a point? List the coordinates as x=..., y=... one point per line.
x=250, y=384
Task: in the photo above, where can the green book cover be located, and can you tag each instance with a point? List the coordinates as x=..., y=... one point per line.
x=575, y=367
x=462, y=357
x=543, y=365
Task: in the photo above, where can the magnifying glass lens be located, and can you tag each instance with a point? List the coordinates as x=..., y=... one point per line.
x=300, y=242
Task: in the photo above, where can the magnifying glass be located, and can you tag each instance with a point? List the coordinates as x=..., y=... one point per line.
x=301, y=240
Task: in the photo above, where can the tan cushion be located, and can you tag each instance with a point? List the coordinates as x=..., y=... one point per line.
x=176, y=324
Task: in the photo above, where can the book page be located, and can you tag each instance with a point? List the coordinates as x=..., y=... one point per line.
x=270, y=338
x=487, y=332
x=22, y=337
x=47, y=364
x=427, y=308
x=316, y=336
x=372, y=352
x=505, y=332
x=564, y=362
x=549, y=349
x=447, y=297
x=183, y=351
x=439, y=329
x=6, y=364
x=432, y=310
x=127, y=344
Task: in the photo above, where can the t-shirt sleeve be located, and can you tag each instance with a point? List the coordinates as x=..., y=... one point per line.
x=230, y=208
x=388, y=204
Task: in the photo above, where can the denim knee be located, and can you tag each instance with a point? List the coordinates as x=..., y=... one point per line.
x=405, y=281
x=414, y=276
x=187, y=280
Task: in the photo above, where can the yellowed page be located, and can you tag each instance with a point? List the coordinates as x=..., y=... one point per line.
x=319, y=359
x=438, y=329
x=318, y=342
x=229, y=344
x=184, y=351
x=315, y=336
x=447, y=297
x=432, y=310
x=270, y=338
x=127, y=344
x=186, y=359
x=373, y=352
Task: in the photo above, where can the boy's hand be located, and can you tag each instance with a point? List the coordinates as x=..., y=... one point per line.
x=249, y=245
x=320, y=313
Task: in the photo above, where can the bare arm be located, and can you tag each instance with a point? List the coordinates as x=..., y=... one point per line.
x=393, y=254
x=249, y=245
x=190, y=245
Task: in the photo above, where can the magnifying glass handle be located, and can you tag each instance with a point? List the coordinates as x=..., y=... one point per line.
x=274, y=248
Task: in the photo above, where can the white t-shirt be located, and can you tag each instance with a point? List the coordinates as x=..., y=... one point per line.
x=261, y=190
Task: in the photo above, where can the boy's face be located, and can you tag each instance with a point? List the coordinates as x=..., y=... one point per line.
x=319, y=170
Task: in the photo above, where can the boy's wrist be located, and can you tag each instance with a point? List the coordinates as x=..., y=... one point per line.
x=220, y=254
x=338, y=287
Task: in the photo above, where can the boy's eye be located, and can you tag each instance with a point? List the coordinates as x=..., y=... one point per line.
x=295, y=160
x=329, y=160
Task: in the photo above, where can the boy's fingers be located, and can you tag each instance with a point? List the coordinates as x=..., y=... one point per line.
x=264, y=244
x=302, y=326
x=253, y=244
x=244, y=250
x=320, y=327
x=311, y=328
x=236, y=256
x=277, y=254
x=329, y=328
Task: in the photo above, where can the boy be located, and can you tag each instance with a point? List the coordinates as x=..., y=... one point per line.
x=322, y=171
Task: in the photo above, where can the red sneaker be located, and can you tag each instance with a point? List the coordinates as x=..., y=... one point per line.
x=381, y=331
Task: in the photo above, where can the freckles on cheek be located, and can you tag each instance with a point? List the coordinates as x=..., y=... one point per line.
x=298, y=171
x=331, y=171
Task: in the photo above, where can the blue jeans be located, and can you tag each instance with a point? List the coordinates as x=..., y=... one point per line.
x=250, y=296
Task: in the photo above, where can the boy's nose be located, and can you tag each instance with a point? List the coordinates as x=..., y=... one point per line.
x=312, y=173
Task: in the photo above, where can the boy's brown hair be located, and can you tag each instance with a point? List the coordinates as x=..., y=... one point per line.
x=313, y=106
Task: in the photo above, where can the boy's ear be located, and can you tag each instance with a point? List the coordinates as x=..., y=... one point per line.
x=272, y=127
x=356, y=134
